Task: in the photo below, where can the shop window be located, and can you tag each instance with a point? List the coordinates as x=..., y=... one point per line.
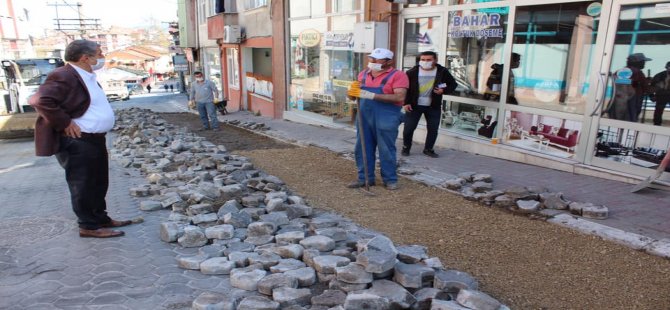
x=456, y=2
x=475, y=46
x=627, y=146
x=421, y=34
x=428, y=3
x=213, y=66
x=548, y=135
x=233, y=67
x=469, y=119
x=643, y=31
x=555, y=43
x=323, y=65
x=254, y=4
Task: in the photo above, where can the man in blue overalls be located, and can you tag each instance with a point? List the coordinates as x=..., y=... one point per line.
x=381, y=92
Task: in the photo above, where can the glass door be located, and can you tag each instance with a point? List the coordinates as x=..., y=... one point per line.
x=630, y=120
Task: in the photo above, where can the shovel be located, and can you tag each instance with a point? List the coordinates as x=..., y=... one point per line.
x=648, y=182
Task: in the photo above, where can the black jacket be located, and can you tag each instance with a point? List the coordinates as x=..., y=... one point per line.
x=442, y=77
x=661, y=95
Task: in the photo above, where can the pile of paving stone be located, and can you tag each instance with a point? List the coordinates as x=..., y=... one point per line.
x=533, y=200
x=247, y=125
x=275, y=250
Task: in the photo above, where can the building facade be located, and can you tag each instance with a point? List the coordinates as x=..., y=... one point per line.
x=574, y=85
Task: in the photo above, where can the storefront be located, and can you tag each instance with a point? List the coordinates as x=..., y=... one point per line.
x=550, y=78
x=559, y=80
x=321, y=60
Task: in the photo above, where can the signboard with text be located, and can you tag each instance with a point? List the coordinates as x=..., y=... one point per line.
x=481, y=25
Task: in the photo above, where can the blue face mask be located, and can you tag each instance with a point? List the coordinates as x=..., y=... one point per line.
x=99, y=64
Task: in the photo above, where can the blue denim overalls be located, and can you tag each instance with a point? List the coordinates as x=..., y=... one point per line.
x=380, y=129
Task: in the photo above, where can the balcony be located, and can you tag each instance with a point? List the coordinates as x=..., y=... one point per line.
x=216, y=23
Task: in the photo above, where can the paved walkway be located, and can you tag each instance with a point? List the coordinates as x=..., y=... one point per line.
x=45, y=265
x=646, y=213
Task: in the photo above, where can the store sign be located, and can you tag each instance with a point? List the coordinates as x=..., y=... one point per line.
x=309, y=38
x=338, y=41
x=594, y=9
x=180, y=63
x=624, y=76
x=483, y=25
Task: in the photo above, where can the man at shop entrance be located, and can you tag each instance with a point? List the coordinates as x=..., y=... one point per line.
x=381, y=91
x=427, y=83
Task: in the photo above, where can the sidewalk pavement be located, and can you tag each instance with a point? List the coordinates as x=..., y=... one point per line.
x=635, y=219
x=44, y=264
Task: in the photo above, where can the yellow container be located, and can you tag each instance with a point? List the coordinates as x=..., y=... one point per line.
x=494, y=140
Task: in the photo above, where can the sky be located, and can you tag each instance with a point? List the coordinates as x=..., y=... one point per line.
x=125, y=13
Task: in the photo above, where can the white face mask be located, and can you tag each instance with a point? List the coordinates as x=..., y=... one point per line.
x=199, y=79
x=426, y=65
x=99, y=64
x=374, y=66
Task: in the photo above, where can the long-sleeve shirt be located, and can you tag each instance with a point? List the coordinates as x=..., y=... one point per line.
x=99, y=116
x=203, y=91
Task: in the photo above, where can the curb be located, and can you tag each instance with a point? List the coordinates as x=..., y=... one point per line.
x=632, y=240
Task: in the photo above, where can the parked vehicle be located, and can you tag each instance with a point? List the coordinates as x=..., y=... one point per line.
x=21, y=79
x=135, y=89
x=116, y=90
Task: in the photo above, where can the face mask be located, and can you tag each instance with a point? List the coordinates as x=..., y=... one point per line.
x=374, y=66
x=98, y=65
x=199, y=79
x=426, y=65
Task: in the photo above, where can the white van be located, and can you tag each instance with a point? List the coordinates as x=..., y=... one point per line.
x=115, y=90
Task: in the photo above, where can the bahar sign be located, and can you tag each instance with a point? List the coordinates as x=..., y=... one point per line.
x=483, y=25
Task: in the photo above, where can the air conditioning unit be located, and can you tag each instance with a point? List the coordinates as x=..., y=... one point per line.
x=370, y=35
x=231, y=34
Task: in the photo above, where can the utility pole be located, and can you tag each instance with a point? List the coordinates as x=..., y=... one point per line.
x=79, y=24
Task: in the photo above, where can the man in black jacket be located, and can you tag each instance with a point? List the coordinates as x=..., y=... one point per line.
x=427, y=83
x=661, y=85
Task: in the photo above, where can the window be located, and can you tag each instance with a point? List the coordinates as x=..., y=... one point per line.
x=253, y=4
x=545, y=134
x=233, y=67
x=211, y=8
x=555, y=43
x=202, y=10
x=421, y=34
x=475, y=46
x=306, y=8
x=428, y=3
x=213, y=67
x=344, y=6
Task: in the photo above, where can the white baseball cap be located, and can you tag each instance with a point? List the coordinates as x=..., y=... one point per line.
x=381, y=53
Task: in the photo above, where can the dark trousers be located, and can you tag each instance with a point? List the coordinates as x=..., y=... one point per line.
x=86, y=167
x=412, y=118
x=658, y=111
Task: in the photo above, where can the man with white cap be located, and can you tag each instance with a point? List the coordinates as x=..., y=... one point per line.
x=631, y=85
x=381, y=90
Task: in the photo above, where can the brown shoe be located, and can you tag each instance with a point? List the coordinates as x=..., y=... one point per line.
x=99, y=233
x=114, y=223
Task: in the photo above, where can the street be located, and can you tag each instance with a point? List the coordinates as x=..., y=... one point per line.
x=45, y=265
